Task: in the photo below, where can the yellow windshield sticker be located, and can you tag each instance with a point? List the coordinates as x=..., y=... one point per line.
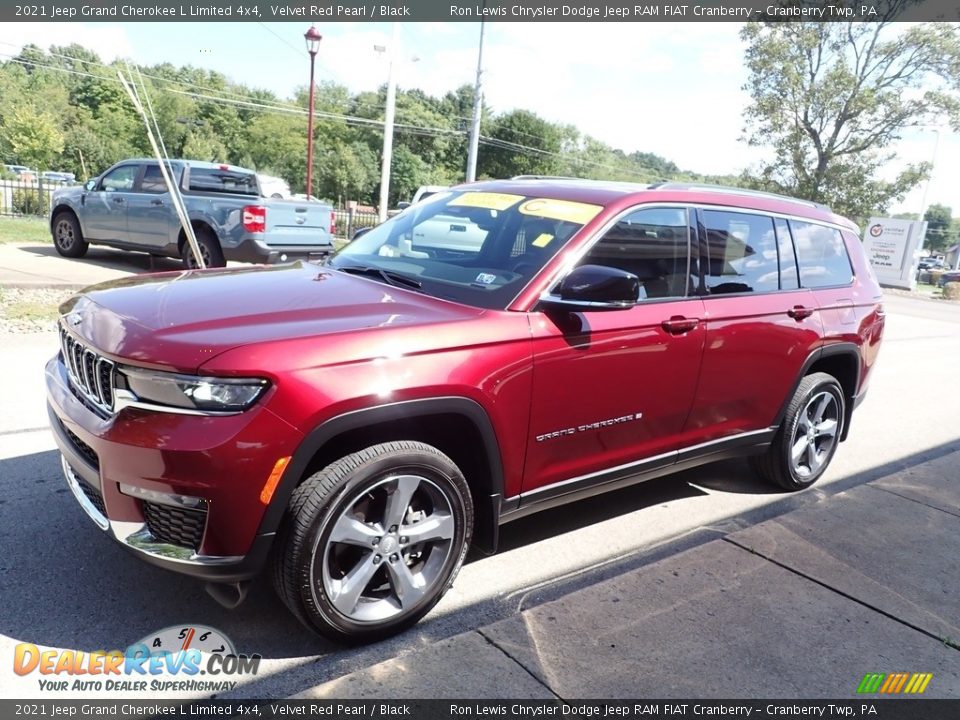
x=566, y=210
x=542, y=240
x=490, y=201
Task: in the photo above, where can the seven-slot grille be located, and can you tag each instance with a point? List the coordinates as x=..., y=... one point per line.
x=90, y=374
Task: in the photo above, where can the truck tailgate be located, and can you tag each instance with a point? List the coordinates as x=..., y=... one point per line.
x=297, y=222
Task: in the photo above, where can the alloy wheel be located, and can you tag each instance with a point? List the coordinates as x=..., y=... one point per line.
x=386, y=550
x=815, y=434
x=64, y=235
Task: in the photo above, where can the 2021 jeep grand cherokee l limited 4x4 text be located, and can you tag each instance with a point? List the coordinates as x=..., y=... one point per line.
x=357, y=425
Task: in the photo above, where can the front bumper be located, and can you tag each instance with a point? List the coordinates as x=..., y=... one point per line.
x=254, y=250
x=163, y=455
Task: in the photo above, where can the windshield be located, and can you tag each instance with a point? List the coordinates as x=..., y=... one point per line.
x=478, y=248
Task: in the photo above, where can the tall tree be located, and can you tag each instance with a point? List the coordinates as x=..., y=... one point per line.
x=939, y=231
x=831, y=97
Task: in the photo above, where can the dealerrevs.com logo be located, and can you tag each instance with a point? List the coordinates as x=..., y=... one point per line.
x=191, y=658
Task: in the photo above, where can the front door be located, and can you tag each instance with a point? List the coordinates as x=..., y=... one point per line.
x=613, y=388
x=105, y=209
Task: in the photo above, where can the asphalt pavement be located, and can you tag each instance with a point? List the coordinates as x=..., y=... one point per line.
x=647, y=594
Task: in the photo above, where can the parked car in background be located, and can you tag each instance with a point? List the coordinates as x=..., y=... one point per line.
x=129, y=207
x=932, y=263
x=62, y=178
x=422, y=193
x=273, y=187
x=23, y=172
x=356, y=427
x=949, y=277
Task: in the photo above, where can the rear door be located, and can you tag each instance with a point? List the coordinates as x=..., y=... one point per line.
x=149, y=210
x=105, y=209
x=760, y=324
x=612, y=389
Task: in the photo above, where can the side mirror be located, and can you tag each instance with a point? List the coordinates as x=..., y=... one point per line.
x=91, y=185
x=594, y=287
x=403, y=205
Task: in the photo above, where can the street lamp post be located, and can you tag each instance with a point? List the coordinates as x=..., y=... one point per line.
x=313, y=39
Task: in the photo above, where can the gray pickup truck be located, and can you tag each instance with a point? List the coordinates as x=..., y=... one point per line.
x=129, y=207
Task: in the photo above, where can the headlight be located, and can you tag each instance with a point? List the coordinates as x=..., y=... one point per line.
x=190, y=391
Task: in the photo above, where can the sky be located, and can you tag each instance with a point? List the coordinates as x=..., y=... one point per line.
x=674, y=89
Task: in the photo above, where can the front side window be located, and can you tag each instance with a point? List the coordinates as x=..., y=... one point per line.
x=653, y=245
x=120, y=180
x=475, y=247
x=821, y=255
x=740, y=253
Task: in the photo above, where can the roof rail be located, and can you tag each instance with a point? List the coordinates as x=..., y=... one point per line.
x=545, y=177
x=708, y=187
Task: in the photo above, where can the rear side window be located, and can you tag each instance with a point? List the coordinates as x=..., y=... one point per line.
x=740, y=253
x=653, y=245
x=152, y=181
x=223, y=181
x=821, y=255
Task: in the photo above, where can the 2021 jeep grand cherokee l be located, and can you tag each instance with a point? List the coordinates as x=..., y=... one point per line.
x=357, y=425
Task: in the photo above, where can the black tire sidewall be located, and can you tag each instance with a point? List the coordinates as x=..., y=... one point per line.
x=79, y=245
x=811, y=386
x=205, y=240
x=316, y=607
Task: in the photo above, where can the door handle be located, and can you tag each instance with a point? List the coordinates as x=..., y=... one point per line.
x=156, y=202
x=677, y=325
x=799, y=312
x=118, y=200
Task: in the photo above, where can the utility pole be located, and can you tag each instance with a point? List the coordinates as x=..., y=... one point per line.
x=388, y=126
x=477, y=111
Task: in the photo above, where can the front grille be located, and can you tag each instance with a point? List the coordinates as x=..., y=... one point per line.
x=81, y=447
x=93, y=495
x=91, y=375
x=177, y=526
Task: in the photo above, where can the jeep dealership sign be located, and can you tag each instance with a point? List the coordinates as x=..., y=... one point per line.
x=891, y=247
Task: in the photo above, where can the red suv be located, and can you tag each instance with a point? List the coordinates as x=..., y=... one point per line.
x=500, y=348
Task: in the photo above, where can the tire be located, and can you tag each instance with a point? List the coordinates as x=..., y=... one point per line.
x=209, y=250
x=808, y=438
x=345, y=522
x=67, y=237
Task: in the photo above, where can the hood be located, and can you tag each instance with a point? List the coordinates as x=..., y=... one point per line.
x=182, y=319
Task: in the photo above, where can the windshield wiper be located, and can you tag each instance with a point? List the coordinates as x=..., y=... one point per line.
x=389, y=277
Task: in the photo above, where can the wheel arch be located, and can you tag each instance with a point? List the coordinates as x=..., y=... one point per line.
x=457, y=426
x=198, y=226
x=842, y=361
x=64, y=207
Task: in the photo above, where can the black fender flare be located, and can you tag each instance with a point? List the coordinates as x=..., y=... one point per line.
x=825, y=351
x=488, y=507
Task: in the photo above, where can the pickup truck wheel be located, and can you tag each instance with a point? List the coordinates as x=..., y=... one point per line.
x=67, y=237
x=209, y=250
x=372, y=542
x=808, y=437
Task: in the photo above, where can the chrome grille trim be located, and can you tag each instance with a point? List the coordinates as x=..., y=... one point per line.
x=91, y=375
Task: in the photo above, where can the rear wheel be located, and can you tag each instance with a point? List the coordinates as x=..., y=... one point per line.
x=67, y=237
x=209, y=250
x=808, y=437
x=372, y=542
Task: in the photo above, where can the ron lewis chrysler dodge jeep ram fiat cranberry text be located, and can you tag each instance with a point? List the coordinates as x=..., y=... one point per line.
x=499, y=348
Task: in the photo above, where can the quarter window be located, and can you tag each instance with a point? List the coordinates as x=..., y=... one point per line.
x=740, y=254
x=821, y=255
x=653, y=245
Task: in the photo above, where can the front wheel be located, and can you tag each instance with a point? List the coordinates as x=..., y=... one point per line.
x=372, y=542
x=809, y=435
x=67, y=237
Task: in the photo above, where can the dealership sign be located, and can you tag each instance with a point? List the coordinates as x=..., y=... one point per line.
x=891, y=247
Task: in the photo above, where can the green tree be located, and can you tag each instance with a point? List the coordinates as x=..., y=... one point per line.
x=939, y=228
x=521, y=143
x=830, y=98
x=33, y=136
